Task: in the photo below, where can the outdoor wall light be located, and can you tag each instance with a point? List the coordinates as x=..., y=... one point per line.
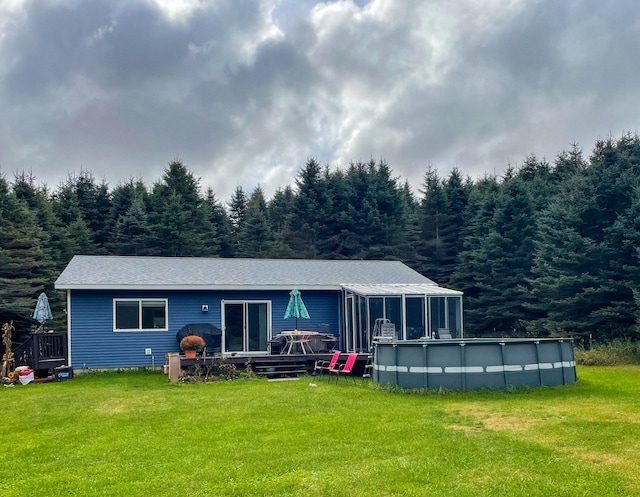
x=205, y=308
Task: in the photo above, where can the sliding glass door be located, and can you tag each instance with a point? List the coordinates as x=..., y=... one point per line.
x=246, y=325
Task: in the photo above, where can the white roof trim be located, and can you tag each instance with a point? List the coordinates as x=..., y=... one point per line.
x=402, y=289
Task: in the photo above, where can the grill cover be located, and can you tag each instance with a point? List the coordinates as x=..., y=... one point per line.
x=212, y=334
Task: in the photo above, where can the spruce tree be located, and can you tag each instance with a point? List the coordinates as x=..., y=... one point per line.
x=406, y=249
x=237, y=213
x=392, y=211
x=132, y=234
x=581, y=270
x=623, y=272
x=341, y=240
x=221, y=225
x=179, y=215
x=279, y=214
x=122, y=198
x=312, y=208
x=508, y=250
x=57, y=247
x=255, y=238
x=81, y=237
x=472, y=274
x=434, y=250
x=566, y=257
x=22, y=275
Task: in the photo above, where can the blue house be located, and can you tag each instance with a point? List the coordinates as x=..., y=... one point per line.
x=126, y=311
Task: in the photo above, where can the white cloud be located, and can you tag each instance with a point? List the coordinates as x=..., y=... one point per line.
x=245, y=92
x=178, y=11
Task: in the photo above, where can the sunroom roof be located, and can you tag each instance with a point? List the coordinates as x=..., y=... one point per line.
x=402, y=289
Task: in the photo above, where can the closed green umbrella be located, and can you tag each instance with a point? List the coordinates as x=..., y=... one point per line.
x=296, y=308
x=42, y=314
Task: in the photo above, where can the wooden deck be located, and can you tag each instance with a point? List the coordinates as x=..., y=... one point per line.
x=268, y=365
x=43, y=352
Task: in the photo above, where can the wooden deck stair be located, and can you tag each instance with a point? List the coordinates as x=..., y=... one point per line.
x=43, y=351
x=277, y=369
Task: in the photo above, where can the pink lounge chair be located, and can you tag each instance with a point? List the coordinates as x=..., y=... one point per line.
x=322, y=366
x=344, y=369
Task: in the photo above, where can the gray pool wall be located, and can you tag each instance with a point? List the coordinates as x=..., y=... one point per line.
x=469, y=364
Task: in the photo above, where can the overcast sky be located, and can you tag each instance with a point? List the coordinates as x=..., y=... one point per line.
x=244, y=91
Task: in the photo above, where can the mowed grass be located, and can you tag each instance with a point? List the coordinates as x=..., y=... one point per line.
x=135, y=434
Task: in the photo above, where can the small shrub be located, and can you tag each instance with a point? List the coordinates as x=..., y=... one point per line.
x=218, y=370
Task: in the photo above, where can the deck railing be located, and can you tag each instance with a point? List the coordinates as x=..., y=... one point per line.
x=43, y=351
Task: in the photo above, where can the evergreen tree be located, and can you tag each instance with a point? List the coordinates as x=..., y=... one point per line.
x=407, y=248
x=623, y=238
x=255, y=238
x=237, y=213
x=123, y=197
x=565, y=258
x=221, y=224
x=179, y=215
x=98, y=219
x=66, y=202
x=81, y=196
x=457, y=194
x=503, y=305
x=391, y=211
x=341, y=240
x=567, y=164
x=81, y=205
x=581, y=276
x=132, y=234
x=279, y=213
x=615, y=173
x=435, y=249
x=280, y=208
x=80, y=237
x=368, y=216
x=171, y=229
x=312, y=207
x=57, y=248
x=472, y=274
x=22, y=276
x=537, y=178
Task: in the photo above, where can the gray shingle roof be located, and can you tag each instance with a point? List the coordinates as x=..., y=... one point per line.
x=110, y=272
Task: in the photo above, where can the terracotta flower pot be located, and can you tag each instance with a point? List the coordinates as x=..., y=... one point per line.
x=190, y=354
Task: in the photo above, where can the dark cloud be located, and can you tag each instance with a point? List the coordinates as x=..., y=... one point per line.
x=244, y=92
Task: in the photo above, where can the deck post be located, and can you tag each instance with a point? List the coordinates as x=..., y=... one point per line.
x=174, y=366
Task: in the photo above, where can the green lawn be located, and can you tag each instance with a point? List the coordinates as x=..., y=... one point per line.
x=135, y=434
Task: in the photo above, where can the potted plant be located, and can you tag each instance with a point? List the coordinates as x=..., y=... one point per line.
x=191, y=344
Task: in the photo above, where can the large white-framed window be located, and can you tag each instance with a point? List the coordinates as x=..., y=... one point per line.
x=140, y=314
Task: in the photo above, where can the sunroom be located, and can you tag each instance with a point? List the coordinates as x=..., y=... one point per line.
x=413, y=310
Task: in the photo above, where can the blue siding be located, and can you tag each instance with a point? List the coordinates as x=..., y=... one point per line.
x=95, y=345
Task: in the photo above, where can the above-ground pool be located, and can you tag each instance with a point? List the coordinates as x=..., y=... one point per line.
x=468, y=364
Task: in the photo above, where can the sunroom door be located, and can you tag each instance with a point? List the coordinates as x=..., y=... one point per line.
x=246, y=325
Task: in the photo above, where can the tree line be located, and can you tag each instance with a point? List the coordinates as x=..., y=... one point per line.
x=547, y=249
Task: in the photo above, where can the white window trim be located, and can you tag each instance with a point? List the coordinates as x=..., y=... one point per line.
x=140, y=300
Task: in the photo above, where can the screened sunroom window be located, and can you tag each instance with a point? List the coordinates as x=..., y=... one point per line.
x=415, y=317
x=140, y=314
